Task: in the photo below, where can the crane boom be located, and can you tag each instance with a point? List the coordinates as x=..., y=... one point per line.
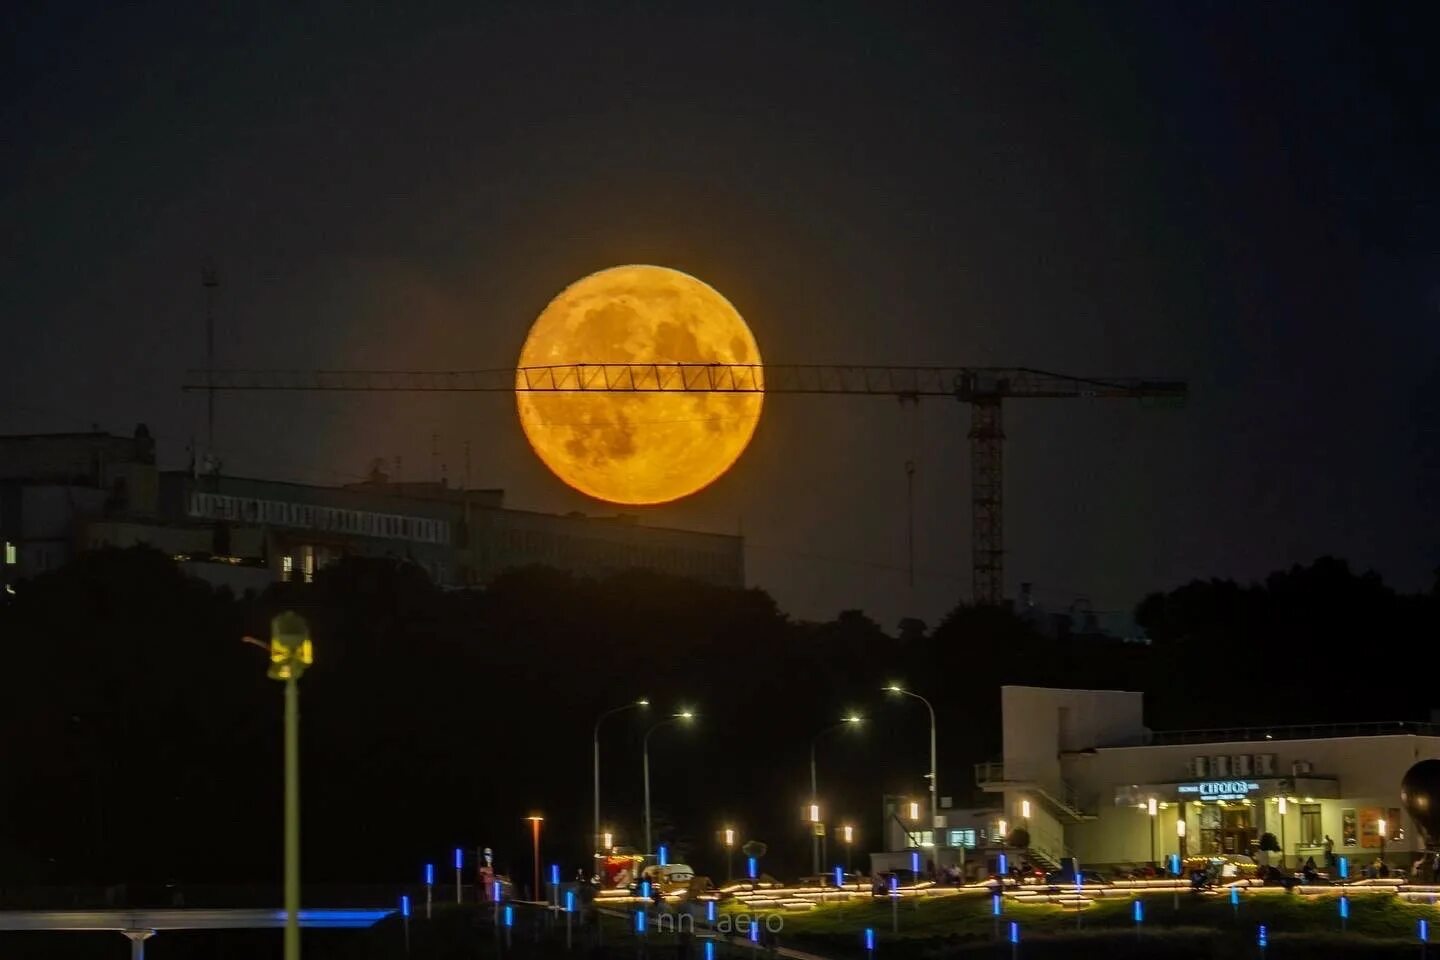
x=984, y=388
x=964, y=383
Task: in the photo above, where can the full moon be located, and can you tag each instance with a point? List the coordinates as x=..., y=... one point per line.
x=639, y=448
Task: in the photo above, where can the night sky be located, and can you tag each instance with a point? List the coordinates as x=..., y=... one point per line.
x=1243, y=195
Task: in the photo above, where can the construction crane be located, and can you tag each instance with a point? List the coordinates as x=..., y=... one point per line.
x=985, y=389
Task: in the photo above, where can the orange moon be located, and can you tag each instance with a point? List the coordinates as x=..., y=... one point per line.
x=639, y=448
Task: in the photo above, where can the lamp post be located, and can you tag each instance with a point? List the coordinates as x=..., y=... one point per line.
x=728, y=834
x=535, y=821
x=934, y=773
x=595, y=744
x=849, y=721
x=290, y=653
x=1152, y=808
x=645, y=763
x=847, y=833
x=1180, y=830
x=1380, y=827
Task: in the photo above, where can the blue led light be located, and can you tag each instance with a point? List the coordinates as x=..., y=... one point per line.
x=915, y=863
x=459, y=858
x=509, y=915
x=1175, y=864
x=1344, y=907
x=839, y=877
x=1344, y=868
x=1004, y=863
x=1234, y=896
x=869, y=938
x=1261, y=937
x=645, y=889
x=754, y=932
x=710, y=911
x=753, y=866
x=496, y=892
x=555, y=874
x=429, y=874
x=404, y=906
x=995, y=905
x=1424, y=931
x=569, y=901
x=1139, y=912
x=1014, y=932
x=894, y=885
x=639, y=921
x=709, y=950
x=664, y=855
x=338, y=919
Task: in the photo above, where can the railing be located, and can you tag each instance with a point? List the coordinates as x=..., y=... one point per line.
x=1060, y=793
x=1314, y=731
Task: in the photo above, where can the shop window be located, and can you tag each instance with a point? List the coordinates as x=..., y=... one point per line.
x=9, y=554
x=1310, y=832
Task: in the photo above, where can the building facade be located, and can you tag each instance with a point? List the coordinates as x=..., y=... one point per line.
x=1085, y=777
x=60, y=493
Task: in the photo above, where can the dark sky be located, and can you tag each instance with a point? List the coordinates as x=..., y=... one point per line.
x=1244, y=195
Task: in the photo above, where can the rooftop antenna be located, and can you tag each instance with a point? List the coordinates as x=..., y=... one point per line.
x=210, y=282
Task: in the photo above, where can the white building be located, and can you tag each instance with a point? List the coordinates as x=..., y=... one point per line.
x=1088, y=779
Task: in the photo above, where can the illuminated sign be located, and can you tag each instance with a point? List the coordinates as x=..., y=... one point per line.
x=1219, y=789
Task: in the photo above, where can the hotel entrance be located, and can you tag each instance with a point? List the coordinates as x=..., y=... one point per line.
x=1227, y=827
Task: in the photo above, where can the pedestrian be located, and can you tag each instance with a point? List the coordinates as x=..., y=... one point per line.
x=1329, y=853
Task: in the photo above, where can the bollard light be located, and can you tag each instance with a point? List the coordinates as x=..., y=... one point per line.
x=555, y=874
x=429, y=874
x=710, y=911
x=1175, y=864
x=639, y=921
x=1261, y=937
x=894, y=885
x=995, y=905
x=754, y=932
x=915, y=863
x=569, y=901
x=1344, y=868
x=1423, y=930
x=664, y=855
x=1234, y=896
x=869, y=938
x=753, y=867
x=645, y=889
x=1004, y=863
x=459, y=859
x=1344, y=907
x=839, y=877
x=709, y=950
x=509, y=915
x=1139, y=912
x=404, y=906
x=1014, y=931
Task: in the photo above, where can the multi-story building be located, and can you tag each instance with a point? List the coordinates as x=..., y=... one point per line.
x=63, y=492
x=1086, y=778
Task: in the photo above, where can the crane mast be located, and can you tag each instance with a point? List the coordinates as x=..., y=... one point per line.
x=984, y=388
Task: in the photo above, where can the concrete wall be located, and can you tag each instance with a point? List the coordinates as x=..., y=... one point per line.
x=1039, y=723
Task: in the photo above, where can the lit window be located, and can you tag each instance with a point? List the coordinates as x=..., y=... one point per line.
x=9, y=554
x=309, y=565
x=1310, y=833
x=287, y=567
x=963, y=838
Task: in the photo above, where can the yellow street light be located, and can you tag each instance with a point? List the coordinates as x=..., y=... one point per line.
x=291, y=652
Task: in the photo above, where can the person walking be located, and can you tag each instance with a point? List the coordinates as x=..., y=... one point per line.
x=1329, y=853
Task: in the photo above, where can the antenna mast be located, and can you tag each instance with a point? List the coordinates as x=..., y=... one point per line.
x=210, y=281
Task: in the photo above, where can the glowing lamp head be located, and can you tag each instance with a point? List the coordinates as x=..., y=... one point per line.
x=729, y=837
x=914, y=810
x=848, y=832
x=1002, y=827
x=853, y=718
x=1380, y=829
x=1180, y=828
x=894, y=688
x=1282, y=805
x=1025, y=809
x=814, y=813
x=1152, y=807
x=643, y=702
x=291, y=650
x=607, y=840
x=686, y=715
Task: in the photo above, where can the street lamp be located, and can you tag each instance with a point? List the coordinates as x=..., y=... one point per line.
x=645, y=756
x=934, y=773
x=849, y=721
x=535, y=821
x=290, y=653
x=1180, y=829
x=595, y=743
x=1380, y=827
x=847, y=833
x=728, y=835
x=1153, y=809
